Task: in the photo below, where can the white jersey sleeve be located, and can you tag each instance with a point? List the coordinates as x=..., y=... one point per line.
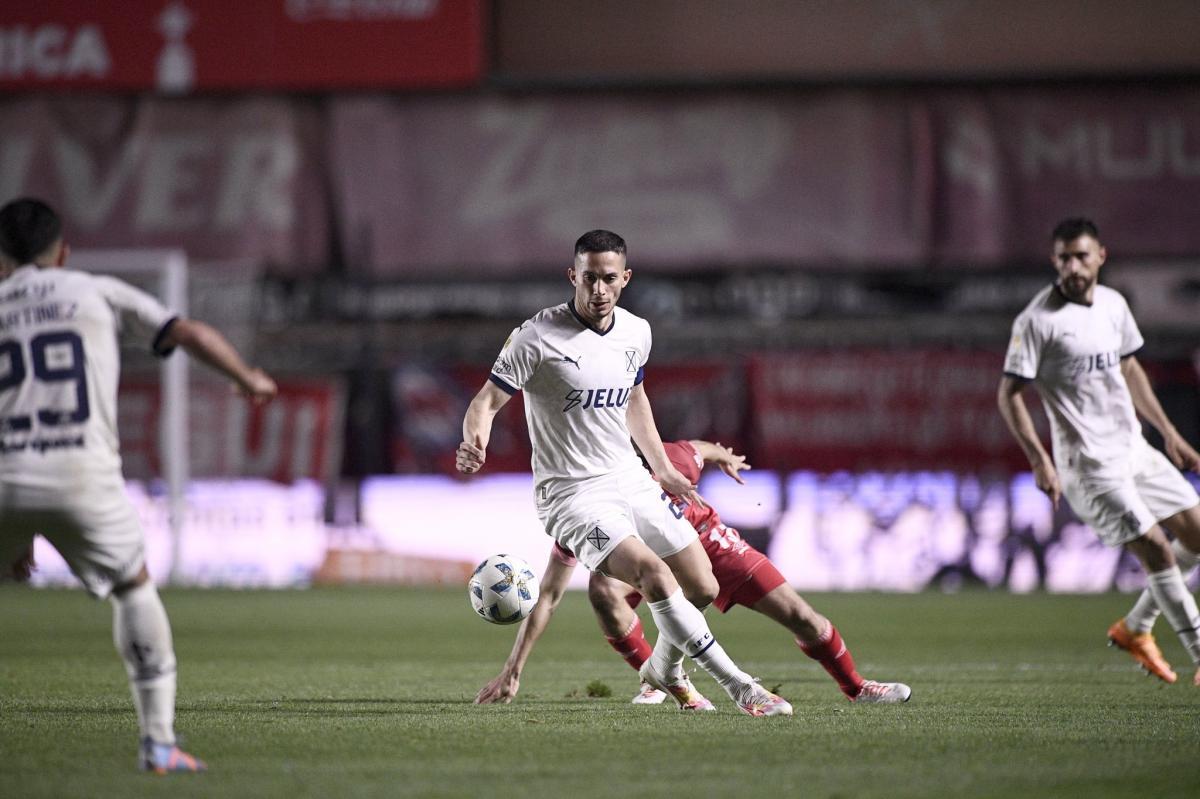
x=1024, y=349
x=141, y=319
x=1131, y=337
x=518, y=358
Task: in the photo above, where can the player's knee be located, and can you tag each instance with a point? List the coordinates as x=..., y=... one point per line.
x=603, y=594
x=656, y=581
x=702, y=590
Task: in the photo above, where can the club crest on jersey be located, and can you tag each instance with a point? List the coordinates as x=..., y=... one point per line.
x=597, y=538
x=590, y=398
x=631, y=360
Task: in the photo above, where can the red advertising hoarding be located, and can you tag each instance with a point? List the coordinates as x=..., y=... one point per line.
x=297, y=435
x=178, y=46
x=879, y=410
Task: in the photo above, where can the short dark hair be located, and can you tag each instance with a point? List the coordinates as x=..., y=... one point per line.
x=1074, y=227
x=28, y=228
x=600, y=241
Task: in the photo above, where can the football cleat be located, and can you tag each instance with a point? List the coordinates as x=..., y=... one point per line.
x=167, y=758
x=1143, y=649
x=754, y=700
x=649, y=695
x=685, y=694
x=882, y=693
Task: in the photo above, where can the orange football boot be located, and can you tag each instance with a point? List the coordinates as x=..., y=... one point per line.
x=1142, y=648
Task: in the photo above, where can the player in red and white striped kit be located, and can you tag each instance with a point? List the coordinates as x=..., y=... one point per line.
x=746, y=577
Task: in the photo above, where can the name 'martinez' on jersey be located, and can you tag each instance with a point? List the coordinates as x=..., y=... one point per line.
x=577, y=384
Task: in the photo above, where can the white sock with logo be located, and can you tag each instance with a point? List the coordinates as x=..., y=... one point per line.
x=142, y=636
x=1143, y=614
x=1179, y=606
x=685, y=629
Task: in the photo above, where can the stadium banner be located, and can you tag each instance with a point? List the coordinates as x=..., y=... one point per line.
x=881, y=410
x=198, y=45
x=296, y=436
x=880, y=178
x=222, y=179
x=1010, y=163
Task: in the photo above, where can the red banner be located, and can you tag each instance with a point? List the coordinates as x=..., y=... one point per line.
x=880, y=410
x=417, y=186
x=877, y=178
x=178, y=46
x=223, y=179
x=296, y=435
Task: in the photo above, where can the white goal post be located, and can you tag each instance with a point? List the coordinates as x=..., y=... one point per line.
x=164, y=273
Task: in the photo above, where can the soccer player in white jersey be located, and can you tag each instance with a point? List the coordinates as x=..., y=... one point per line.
x=1076, y=342
x=580, y=365
x=60, y=467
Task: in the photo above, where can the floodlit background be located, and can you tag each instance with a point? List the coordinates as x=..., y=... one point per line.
x=834, y=211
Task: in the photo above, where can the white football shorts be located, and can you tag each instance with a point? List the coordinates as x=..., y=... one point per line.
x=1153, y=490
x=97, y=530
x=591, y=516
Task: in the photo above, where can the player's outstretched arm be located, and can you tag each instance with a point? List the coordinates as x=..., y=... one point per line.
x=640, y=421
x=724, y=457
x=1020, y=423
x=206, y=344
x=504, y=686
x=477, y=428
x=1181, y=453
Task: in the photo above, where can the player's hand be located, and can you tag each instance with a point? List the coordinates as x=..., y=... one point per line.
x=1181, y=453
x=24, y=566
x=1046, y=477
x=673, y=482
x=469, y=458
x=500, y=690
x=258, y=387
x=730, y=462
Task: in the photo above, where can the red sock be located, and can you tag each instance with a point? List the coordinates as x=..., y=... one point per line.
x=633, y=645
x=831, y=652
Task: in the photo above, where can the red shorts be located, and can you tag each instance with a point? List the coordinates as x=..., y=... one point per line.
x=744, y=575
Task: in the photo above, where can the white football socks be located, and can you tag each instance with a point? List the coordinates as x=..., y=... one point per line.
x=142, y=636
x=685, y=629
x=1144, y=613
x=1179, y=606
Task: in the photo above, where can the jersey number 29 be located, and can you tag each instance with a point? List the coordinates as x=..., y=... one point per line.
x=47, y=357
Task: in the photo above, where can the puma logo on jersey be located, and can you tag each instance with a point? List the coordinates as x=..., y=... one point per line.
x=573, y=361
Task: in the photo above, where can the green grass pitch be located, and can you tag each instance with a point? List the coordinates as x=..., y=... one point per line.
x=367, y=692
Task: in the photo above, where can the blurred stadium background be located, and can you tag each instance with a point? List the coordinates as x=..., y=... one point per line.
x=834, y=211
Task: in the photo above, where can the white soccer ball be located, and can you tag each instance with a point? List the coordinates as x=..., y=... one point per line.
x=503, y=589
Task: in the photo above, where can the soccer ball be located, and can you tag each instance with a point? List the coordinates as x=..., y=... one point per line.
x=503, y=589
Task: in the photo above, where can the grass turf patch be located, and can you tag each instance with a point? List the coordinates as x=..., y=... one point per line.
x=367, y=692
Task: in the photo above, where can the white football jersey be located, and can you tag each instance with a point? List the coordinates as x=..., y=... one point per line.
x=59, y=368
x=577, y=384
x=1072, y=352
